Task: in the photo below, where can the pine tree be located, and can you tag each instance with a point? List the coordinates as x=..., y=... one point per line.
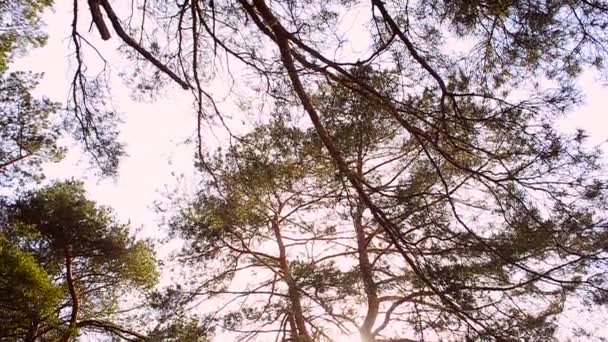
x=69, y=263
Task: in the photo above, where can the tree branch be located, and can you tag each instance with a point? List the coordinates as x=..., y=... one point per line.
x=132, y=43
x=98, y=20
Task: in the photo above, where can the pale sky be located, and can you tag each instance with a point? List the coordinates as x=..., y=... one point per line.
x=153, y=132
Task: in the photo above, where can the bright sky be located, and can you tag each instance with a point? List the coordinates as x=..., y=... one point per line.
x=153, y=131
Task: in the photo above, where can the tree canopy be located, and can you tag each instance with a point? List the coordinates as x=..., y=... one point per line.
x=28, y=133
x=390, y=169
x=66, y=263
x=28, y=129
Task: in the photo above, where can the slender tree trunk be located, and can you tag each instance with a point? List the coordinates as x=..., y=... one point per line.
x=73, y=295
x=294, y=295
x=292, y=326
x=32, y=332
x=365, y=266
x=367, y=276
x=367, y=273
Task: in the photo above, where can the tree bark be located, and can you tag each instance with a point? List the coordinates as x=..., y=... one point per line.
x=32, y=332
x=98, y=20
x=73, y=295
x=367, y=276
x=294, y=294
x=367, y=273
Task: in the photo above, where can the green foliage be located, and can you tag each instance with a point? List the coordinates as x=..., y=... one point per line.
x=28, y=133
x=28, y=292
x=181, y=330
x=516, y=38
x=326, y=278
x=357, y=124
x=21, y=24
x=28, y=128
x=57, y=225
x=64, y=218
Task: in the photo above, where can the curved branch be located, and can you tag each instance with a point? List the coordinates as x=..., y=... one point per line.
x=112, y=328
x=132, y=43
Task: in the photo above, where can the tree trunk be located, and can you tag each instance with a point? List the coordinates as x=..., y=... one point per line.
x=294, y=295
x=73, y=295
x=32, y=332
x=367, y=276
x=367, y=273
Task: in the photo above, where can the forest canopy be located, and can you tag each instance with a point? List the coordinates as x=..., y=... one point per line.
x=389, y=171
